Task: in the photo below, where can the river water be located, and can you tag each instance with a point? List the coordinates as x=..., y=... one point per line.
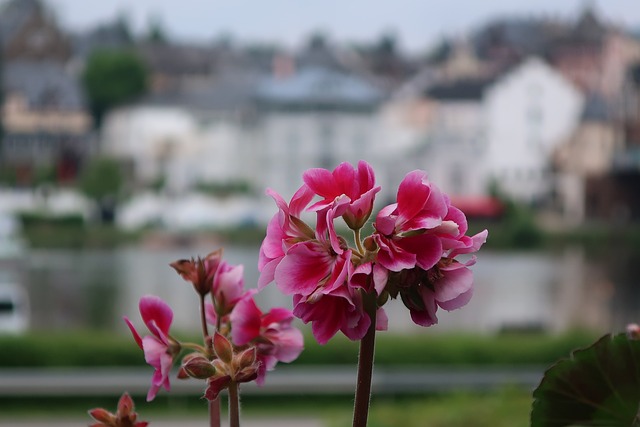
x=551, y=291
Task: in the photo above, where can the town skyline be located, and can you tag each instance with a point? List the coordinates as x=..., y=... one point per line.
x=415, y=27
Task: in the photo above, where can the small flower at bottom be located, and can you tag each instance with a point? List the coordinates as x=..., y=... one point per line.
x=159, y=349
x=124, y=417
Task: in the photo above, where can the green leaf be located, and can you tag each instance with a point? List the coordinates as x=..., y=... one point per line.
x=595, y=386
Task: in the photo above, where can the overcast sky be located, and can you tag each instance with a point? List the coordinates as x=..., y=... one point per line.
x=417, y=24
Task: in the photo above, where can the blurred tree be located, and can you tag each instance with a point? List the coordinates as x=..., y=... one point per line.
x=102, y=180
x=156, y=32
x=111, y=78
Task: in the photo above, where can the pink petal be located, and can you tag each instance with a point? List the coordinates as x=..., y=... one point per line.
x=321, y=182
x=385, y=221
x=345, y=179
x=393, y=257
x=453, y=284
x=271, y=246
x=267, y=273
x=136, y=335
x=290, y=343
x=382, y=321
x=153, y=308
x=412, y=195
x=245, y=321
x=302, y=268
x=366, y=177
x=426, y=317
x=277, y=315
x=460, y=301
x=300, y=200
x=426, y=247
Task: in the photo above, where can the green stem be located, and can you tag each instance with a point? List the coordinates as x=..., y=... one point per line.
x=365, y=367
x=203, y=321
x=234, y=405
x=214, y=405
x=356, y=237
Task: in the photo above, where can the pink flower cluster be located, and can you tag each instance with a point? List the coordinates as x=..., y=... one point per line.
x=411, y=252
x=246, y=342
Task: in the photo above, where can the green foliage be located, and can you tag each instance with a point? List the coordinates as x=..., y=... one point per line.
x=223, y=189
x=82, y=349
x=30, y=220
x=595, y=386
x=111, y=78
x=101, y=178
x=505, y=408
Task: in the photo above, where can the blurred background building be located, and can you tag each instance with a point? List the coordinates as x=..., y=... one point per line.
x=151, y=134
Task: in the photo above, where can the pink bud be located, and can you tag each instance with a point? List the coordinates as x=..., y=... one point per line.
x=103, y=416
x=199, y=367
x=223, y=348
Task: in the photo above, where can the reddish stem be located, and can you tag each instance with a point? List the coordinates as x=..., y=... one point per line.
x=365, y=368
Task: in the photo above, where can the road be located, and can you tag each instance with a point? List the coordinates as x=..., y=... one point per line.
x=285, y=380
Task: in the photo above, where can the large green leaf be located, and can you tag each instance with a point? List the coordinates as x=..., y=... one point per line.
x=595, y=386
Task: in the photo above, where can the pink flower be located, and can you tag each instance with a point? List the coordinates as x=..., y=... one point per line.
x=405, y=230
x=357, y=185
x=228, y=287
x=159, y=348
x=447, y=285
x=340, y=310
x=316, y=266
x=284, y=230
x=272, y=333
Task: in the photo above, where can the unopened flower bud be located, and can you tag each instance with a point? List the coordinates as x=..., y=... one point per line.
x=103, y=416
x=199, y=367
x=245, y=359
x=223, y=348
x=247, y=374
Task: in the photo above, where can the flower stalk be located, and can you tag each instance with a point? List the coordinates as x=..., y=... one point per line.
x=365, y=367
x=234, y=405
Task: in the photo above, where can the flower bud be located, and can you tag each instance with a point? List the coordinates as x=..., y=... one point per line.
x=245, y=359
x=247, y=374
x=199, y=367
x=223, y=348
x=103, y=416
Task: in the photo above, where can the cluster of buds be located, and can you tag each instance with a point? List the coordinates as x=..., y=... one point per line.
x=124, y=417
x=230, y=365
x=245, y=342
x=411, y=254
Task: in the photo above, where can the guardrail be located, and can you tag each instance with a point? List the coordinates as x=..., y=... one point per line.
x=285, y=380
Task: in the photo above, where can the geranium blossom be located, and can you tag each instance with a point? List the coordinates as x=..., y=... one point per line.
x=358, y=185
x=159, y=349
x=272, y=333
x=405, y=230
x=284, y=230
x=228, y=287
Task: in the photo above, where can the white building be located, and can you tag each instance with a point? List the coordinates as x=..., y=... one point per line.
x=500, y=130
x=315, y=118
x=192, y=137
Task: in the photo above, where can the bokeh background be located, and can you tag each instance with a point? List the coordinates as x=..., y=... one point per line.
x=134, y=134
